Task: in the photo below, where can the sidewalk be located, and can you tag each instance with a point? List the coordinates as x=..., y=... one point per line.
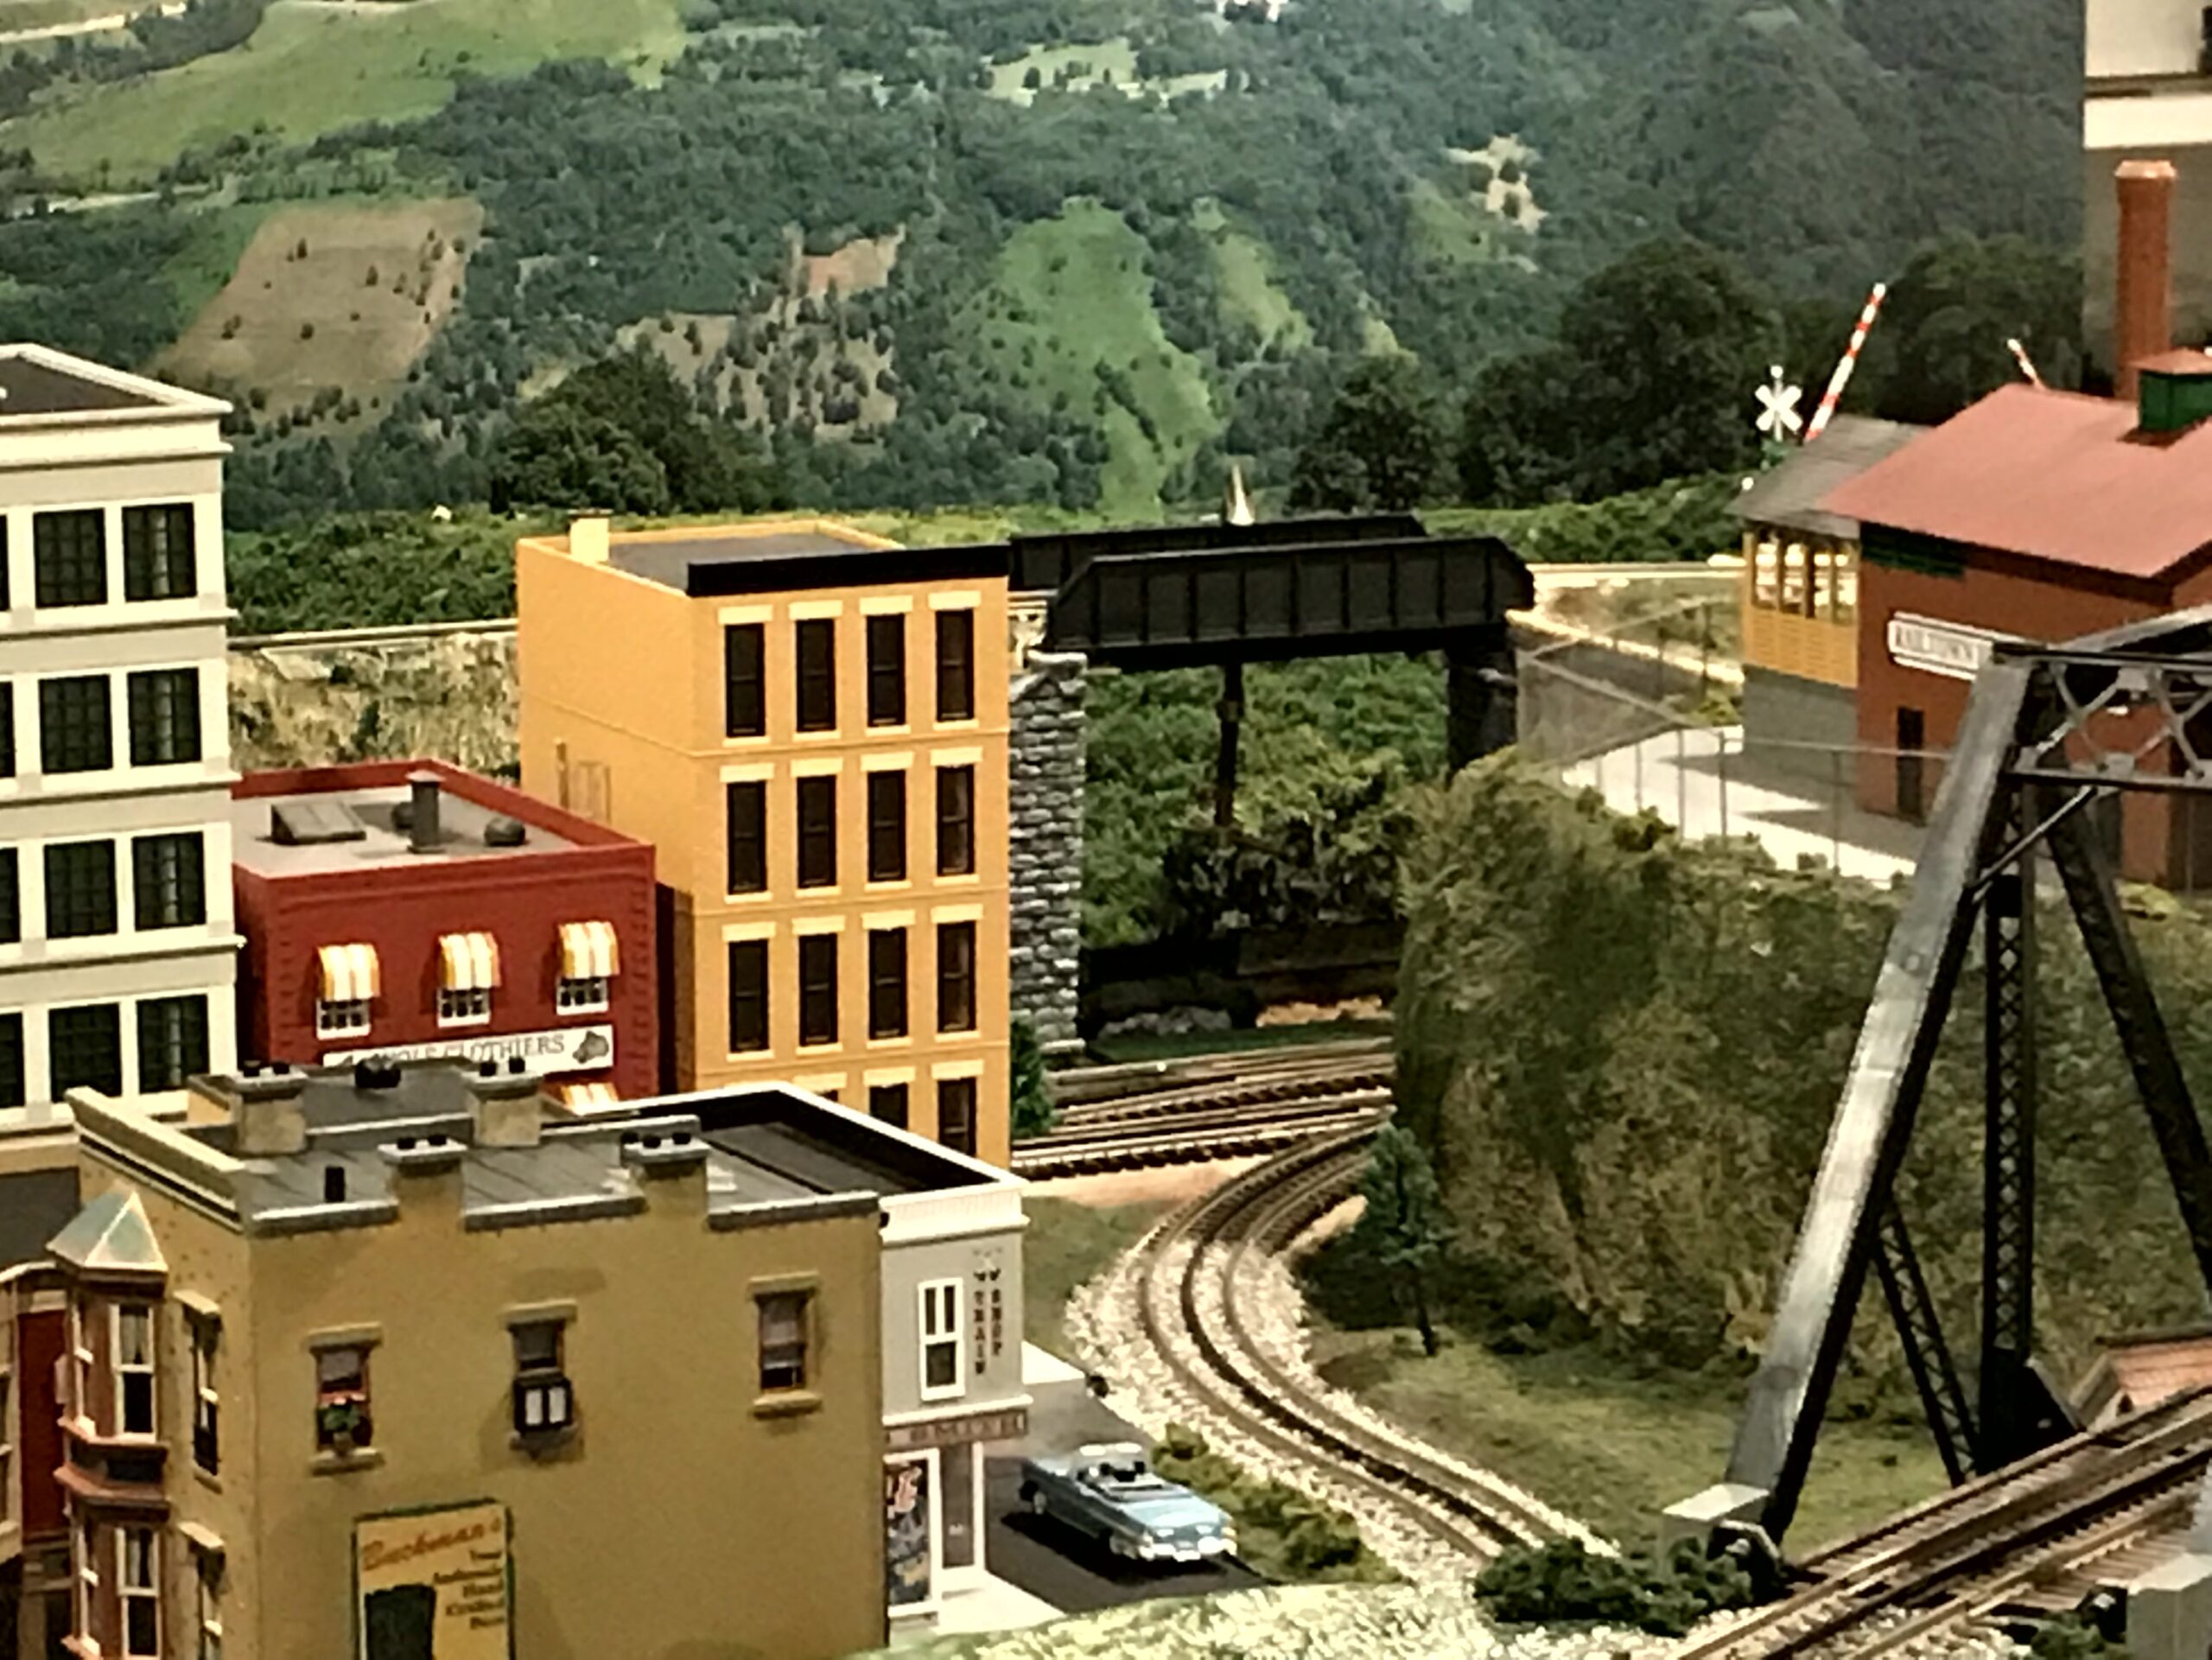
x=1694, y=778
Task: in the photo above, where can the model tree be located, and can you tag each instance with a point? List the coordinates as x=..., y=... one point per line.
x=1403, y=1231
x=1379, y=447
x=1942, y=343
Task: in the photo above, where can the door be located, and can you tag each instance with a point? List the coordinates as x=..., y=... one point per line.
x=401, y=1621
x=1912, y=737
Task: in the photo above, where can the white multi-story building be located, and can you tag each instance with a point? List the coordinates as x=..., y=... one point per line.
x=117, y=952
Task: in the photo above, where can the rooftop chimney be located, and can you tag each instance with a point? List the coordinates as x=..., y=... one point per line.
x=269, y=1125
x=588, y=539
x=2143, y=302
x=423, y=835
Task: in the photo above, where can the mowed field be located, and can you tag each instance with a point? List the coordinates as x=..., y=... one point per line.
x=1078, y=286
x=316, y=66
x=290, y=324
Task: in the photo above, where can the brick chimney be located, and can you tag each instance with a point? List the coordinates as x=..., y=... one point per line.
x=2143, y=301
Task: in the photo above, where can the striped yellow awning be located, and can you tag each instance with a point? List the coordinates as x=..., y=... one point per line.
x=589, y=951
x=349, y=973
x=579, y=1098
x=467, y=962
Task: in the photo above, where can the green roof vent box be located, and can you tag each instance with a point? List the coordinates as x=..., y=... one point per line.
x=2176, y=391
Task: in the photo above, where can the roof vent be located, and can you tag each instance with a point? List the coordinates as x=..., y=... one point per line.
x=376, y=1075
x=425, y=832
x=311, y=823
x=487, y=1069
x=504, y=832
x=333, y=1184
x=515, y=1065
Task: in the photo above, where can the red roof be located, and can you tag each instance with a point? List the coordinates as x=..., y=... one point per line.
x=2048, y=475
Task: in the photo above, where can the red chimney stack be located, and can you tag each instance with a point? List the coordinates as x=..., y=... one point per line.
x=2142, y=306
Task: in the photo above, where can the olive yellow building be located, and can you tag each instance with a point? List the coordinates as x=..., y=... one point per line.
x=810, y=725
x=396, y=1364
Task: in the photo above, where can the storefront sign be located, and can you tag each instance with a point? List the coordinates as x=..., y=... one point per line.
x=908, y=1549
x=574, y=1049
x=1951, y=649
x=435, y=1584
x=1010, y=1425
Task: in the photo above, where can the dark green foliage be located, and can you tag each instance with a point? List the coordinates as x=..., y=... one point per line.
x=371, y=569
x=1563, y=1581
x=1650, y=377
x=1941, y=342
x=1402, y=1229
x=1380, y=447
x=567, y=458
x=1623, y=1054
x=2069, y=1637
x=1033, y=1102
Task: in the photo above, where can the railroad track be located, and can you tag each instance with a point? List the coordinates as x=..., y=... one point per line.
x=1431, y=1514
x=1960, y=1559
x=1224, y=1107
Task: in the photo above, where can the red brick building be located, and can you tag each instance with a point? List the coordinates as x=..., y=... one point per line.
x=410, y=909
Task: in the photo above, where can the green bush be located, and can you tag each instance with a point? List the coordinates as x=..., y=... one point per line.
x=1563, y=1581
x=1032, y=1103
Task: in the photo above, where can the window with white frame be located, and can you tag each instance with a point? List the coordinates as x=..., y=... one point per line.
x=88, y=1583
x=134, y=1370
x=544, y=1399
x=341, y=1020
x=207, y=1404
x=584, y=995
x=469, y=1006
x=140, y=1586
x=80, y=1357
x=208, y=1595
x=941, y=1301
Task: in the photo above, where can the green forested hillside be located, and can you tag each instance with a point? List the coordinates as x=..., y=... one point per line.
x=1077, y=252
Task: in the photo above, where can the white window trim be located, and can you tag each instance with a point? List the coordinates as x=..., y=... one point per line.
x=606, y=1000
x=448, y=1022
x=205, y=1335
x=126, y=1592
x=931, y=1336
x=88, y=1581
x=119, y=1371
x=328, y=1024
x=81, y=1358
x=209, y=1607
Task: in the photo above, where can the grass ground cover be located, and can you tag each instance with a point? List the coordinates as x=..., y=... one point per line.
x=1067, y=1245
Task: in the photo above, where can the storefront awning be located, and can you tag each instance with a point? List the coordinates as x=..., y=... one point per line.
x=467, y=962
x=349, y=973
x=580, y=1098
x=589, y=951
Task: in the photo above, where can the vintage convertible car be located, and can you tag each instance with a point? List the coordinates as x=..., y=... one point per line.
x=1110, y=1493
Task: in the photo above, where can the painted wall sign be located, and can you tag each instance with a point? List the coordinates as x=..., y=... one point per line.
x=1954, y=650
x=572, y=1049
x=435, y=1584
x=1009, y=1424
x=908, y=1547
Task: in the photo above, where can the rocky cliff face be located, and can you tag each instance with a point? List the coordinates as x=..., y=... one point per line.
x=451, y=697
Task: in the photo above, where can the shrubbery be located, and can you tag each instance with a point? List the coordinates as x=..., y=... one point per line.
x=1564, y=1581
x=1277, y=1523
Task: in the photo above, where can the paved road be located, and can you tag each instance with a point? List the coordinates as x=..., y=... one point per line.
x=1048, y=1560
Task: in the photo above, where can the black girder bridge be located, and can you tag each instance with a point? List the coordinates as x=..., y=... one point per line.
x=2051, y=738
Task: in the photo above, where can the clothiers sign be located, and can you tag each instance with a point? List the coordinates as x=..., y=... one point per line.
x=576, y=1049
x=1951, y=649
x=435, y=1584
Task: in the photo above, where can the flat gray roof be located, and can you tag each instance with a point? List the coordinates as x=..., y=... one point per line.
x=35, y=1205
x=461, y=823
x=1789, y=492
x=29, y=388
x=669, y=561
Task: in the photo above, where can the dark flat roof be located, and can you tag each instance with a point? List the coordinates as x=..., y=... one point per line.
x=34, y=1206
x=712, y=564
x=29, y=388
x=829, y=1148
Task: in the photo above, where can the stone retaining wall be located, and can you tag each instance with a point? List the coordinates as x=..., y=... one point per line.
x=1045, y=852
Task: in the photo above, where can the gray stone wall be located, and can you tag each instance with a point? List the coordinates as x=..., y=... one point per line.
x=1045, y=854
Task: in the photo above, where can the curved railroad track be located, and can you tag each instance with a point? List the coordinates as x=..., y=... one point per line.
x=1959, y=1561
x=1432, y=1516
x=1222, y=1107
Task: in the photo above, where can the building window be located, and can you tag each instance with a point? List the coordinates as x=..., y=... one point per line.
x=817, y=675
x=886, y=827
x=940, y=1339
x=341, y=1398
x=157, y=553
x=956, y=666
x=11, y=1061
x=586, y=995
x=345, y=987
x=134, y=1368
x=73, y=732
x=85, y=1049
x=172, y=1042
x=748, y=996
x=783, y=1340
x=206, y=1403
x=887, y=1103
x=887, y=982
x=69, y=551
x=887, y=670
x=79, y=889
x=211, y=1610
x=88, y=1584
x=7, y=712
x=747, y=808
x=817, y=989
x=956, y=820
x=469, y=1006
x=544, y=1403
x=164, y=717
x=1766, y=572
x=468, y=970
x=955, y=976
x=745, y=680
x=142, y=1592
x=818, y=832
x=12, y=899
x=955, y=1114
x=80, y=1356
x=347, y=1019
x=171, y=880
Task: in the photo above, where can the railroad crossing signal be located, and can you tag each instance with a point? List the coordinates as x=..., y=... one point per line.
x=1778, y=420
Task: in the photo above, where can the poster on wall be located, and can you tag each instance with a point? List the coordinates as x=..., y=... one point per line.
x=434, y=1584
x=906, y=1532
